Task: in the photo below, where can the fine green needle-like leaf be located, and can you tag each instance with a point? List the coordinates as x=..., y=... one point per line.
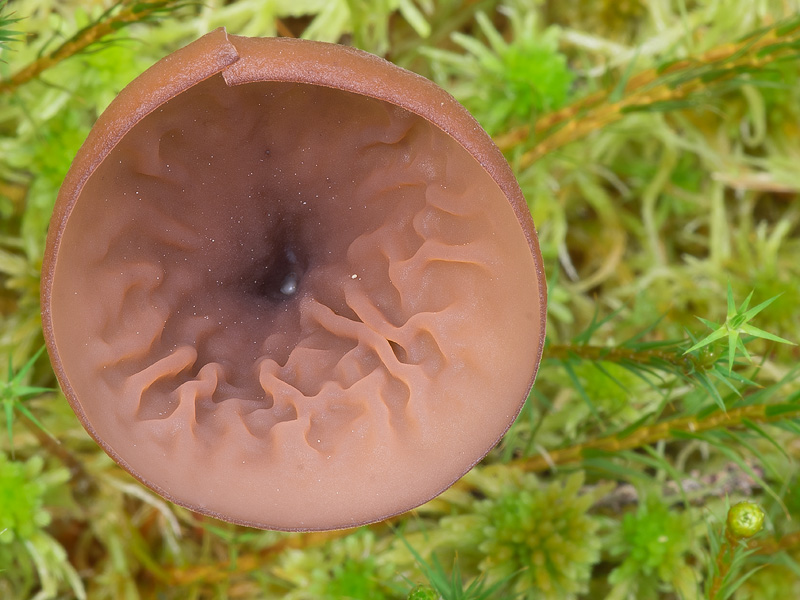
x=579, y=388
x=8, y=408
x=619, y=90
x=712, y=337
x=765, y=435
x=755, y=331
x=749, y=314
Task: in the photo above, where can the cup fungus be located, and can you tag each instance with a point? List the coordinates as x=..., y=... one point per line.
x=291, y=285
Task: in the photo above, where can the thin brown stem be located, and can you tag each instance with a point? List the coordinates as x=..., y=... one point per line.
x=594, y=112
x=723, y=566
x=650, y=434
x=619, y=354
x=283, y=29
x=82, y=40
x=246, y=563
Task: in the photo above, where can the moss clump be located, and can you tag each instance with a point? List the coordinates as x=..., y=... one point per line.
x=539, y=536
x=347, y=568
x=655, y=542
x=509, y=82
x=22, y=488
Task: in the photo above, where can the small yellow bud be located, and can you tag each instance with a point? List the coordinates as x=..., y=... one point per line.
x=745, y=519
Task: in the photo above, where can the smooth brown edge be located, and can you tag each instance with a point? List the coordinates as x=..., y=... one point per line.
x=219, y=52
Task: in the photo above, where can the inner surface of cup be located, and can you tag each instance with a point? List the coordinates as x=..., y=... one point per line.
x=277, y=301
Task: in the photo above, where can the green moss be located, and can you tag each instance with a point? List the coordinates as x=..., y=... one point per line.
x=655, y=543
x=22, y=489
x=539, y=536
x=510, y=82
x=347, y=569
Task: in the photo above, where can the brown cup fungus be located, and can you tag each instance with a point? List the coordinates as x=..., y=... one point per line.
x=291, y=285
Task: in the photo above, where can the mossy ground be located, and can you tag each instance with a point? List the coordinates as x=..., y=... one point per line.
x=657, y=143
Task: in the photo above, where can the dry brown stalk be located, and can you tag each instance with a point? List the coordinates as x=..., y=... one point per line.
x=594, y=111
x=650, y=434
x=80, y=41
x=619, y=354
x=220, y=571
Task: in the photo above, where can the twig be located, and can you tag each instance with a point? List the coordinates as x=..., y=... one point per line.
x=619, y=354
x=652, y=86
x=283, y=29
x=723, y=565
x=84, y=38
x=650, y=434
x=246, y=563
